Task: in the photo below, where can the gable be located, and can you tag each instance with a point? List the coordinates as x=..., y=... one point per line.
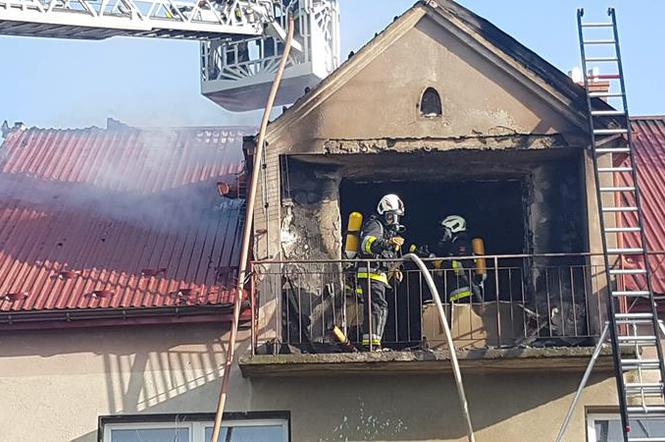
x=377, y=95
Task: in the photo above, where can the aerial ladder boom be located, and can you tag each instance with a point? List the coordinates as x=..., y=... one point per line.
x=100, y=19
x=241, y=40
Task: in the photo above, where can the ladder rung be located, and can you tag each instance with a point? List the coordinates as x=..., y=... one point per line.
x=615, y=169
x=637, y=339
x=633, y=321
x=599, y=42
x=605, y=94
x=597, y=25
x=638, y=410
x=645, y=393
x=626, y=251
x=619, y=209
x=644, y=364
x=627, y=271
x=646, y=439
x=644, y=385
x=622, y=229
x=634, y=315
x=631, y=293
x=613, y=150
x=604, y=77
x=610, y=131
x=637, y=346
x=600, y=59
x=606, y=113
x=617, y=189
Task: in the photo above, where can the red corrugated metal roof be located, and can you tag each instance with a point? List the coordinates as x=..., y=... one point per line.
x=649, y=151
x=94, y=219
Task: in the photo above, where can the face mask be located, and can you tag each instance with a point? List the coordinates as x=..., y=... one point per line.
x=447, y=235
x=392, y=219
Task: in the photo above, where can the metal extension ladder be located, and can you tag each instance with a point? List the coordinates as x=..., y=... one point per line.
x=639, y=377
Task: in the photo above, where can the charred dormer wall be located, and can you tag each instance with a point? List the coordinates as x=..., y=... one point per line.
x=552, y=207
x=490, y=104
x=552, y=213
x=375, y=103
x=310, y=222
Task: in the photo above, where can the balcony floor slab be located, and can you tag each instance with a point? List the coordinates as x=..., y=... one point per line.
x=510, y=360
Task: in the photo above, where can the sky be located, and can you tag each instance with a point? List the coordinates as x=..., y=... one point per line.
x=149, y=82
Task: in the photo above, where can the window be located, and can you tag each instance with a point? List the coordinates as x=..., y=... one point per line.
x=430, y=104
x=182, y=429
x=147, y=432
x=607, y=428
x=249, y=431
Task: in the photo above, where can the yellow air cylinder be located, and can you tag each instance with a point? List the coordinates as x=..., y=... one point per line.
x=478, y=246
x=353, y=235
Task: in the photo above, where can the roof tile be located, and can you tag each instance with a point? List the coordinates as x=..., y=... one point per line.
x=649, y=150
x=118, y=218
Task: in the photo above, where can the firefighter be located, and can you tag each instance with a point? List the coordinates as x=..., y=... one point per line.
x=455, y=242
x=379, y=239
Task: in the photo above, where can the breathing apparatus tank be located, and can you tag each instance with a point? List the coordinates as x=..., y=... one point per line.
x=352, y=245
x=478, y=247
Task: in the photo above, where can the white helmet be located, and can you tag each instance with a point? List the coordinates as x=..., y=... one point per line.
x=454, y=223
x=390, y=203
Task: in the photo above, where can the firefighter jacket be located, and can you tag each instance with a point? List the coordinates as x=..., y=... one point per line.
x=375, y=244
x=459, y=245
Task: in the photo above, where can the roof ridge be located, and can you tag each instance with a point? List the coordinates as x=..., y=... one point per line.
x=22, y=126
x=647, y=117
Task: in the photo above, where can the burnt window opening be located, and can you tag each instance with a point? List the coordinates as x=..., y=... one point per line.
x=494, y=211
x=430, y=104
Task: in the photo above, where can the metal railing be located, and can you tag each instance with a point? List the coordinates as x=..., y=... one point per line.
x=317, y=34
x=520, y=300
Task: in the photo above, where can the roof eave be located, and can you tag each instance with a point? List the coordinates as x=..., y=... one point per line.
x=110, y=317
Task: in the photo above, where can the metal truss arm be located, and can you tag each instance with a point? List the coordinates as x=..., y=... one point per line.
x=99, y=19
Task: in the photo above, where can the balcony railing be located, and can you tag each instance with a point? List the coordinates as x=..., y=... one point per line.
x=522, y=300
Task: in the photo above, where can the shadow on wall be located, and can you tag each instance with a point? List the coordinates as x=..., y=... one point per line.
x=177, y=369
x=417, y=408
x=80, y=375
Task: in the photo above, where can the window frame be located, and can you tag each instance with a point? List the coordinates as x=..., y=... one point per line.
x=593, y=416
x=591, y=419
x=419, y=107
x=196, y=423
x=246, y=423
x=146, y=426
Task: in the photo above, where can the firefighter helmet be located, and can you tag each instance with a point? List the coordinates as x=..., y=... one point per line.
x=390, y=203
x=454, y=223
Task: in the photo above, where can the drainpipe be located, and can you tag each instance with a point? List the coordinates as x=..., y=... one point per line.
x=247, y=233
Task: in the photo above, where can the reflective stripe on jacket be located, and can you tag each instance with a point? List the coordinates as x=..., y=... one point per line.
x=458, y=267
x=374, y=276
x=372, y=238
x=460, y=293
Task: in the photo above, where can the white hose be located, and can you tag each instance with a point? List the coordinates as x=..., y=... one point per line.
x=449, y=340
x=247, y=233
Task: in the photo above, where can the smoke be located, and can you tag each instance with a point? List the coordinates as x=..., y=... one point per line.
x=162, y=180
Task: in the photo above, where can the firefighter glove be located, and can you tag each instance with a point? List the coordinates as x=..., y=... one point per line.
x=396, y=242
x=397, y=275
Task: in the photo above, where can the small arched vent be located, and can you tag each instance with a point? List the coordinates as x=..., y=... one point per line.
x=430, y=104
